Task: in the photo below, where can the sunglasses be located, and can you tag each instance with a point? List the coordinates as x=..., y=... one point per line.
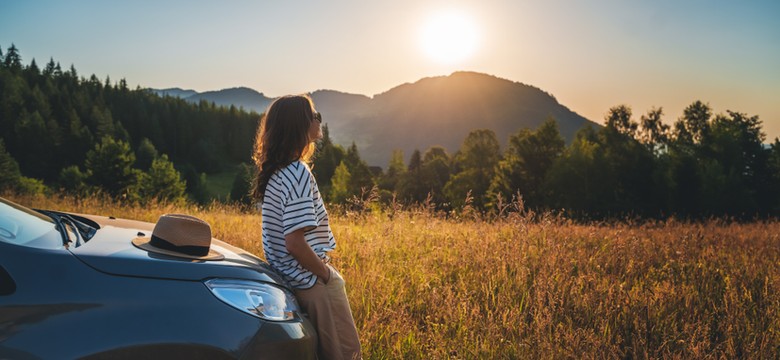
x=318, y=117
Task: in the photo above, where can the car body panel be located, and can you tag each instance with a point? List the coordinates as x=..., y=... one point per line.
x=109, y=299
x=110, y=251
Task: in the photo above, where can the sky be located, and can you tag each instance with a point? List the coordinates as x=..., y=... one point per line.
x=591, y=55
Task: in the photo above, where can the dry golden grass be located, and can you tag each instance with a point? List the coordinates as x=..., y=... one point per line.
x=423, y=286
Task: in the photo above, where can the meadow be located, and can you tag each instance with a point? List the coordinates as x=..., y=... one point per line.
x=425, y=285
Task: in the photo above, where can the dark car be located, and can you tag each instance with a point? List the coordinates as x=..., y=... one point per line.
x=73, y=286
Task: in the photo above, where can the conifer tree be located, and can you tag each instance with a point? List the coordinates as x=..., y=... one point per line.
x=9, y=169
x=12, y=60
x=110, y=166
x=163, y=182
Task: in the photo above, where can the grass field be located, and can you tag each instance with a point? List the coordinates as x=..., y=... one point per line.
x=424, y=286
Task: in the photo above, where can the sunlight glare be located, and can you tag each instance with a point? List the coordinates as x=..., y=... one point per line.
x=449, y=37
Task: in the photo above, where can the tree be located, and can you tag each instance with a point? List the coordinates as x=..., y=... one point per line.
x=630, y=168
x=33, y=145
x=738, y=173
x=9, y=169
x=395, y=170
x=340, y=191
x=687, y=163
x=110, y=166
x=415, y=162
x=145, y=154
x=579, y=179
x=31, y=186
x=72, y=180
x=163, y=182
x=474, y=165
x=654, y=134
x=619, y=118
x=412, y=186
x=32, y=72
x=49, y=69
x=396, y=167
x=436, y=171
x=12, y=60
x=694, y=124
x=436, y=152
x=105, y=125
x=630, y=164
x=326, y=159
x=773, y=166
x=360, y=178
x=684, y=173
x=240, y=192
x=526, y=162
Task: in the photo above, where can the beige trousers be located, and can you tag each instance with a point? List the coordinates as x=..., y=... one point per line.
x=329, y=312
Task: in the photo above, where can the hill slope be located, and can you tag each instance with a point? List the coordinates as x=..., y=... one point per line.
x=443, y=110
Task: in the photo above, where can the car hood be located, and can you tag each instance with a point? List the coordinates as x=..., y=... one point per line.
x=111, y=251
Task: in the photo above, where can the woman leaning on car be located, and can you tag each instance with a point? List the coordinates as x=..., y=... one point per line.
x=296, y=233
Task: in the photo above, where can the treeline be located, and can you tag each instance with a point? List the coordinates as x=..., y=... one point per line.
x=62, y=131
x=704, y=165
x=59, y=131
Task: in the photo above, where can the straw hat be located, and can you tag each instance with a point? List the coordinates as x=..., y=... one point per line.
x=181, y=236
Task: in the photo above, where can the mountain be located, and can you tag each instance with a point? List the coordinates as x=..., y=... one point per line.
x=175, y=92
x=443, y=110
x=346, y=116
x=244, y=97
x=439, y=110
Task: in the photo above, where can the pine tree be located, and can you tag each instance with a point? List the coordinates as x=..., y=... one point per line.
x=12, y=60
x=110, y=166
x=360, y=178
x=240, y=191
x=163, y=182
x=145, y=154
x=9, y=169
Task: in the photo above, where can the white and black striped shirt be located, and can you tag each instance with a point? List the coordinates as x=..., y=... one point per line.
x=291, y=202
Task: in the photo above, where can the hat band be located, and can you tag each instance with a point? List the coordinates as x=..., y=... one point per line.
x=186, y=249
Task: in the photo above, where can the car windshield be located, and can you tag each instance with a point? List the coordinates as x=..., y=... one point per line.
x=22, y=226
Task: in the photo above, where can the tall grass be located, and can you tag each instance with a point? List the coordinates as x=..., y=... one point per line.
x=423, y=285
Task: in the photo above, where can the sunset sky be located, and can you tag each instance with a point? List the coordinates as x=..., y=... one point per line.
x=590, y=55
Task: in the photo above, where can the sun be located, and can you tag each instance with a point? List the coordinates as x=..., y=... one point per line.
x=449, y=37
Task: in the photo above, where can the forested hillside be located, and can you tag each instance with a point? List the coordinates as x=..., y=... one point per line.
x=74, y=132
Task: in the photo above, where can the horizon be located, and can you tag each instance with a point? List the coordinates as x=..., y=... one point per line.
x=590, y=57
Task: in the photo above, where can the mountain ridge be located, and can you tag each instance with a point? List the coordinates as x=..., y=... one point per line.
x=436, y=110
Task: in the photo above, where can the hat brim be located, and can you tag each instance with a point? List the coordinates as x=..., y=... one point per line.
x=143, y=243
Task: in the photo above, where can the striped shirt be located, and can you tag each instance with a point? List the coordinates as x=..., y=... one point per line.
x=291, y=202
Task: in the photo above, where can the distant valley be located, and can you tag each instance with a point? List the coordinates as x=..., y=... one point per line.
x=432, y=111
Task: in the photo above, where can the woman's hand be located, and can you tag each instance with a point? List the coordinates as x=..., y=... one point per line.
x=298, y=247
x=324, y=280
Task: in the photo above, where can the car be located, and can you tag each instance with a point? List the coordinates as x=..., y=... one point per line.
x=82, y=286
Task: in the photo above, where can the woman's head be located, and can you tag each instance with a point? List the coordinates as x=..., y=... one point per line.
x=286, y=133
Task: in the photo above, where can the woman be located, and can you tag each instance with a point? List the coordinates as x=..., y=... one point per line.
x=296, y=233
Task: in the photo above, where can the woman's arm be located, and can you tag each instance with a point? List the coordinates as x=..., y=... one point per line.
x=298, y=247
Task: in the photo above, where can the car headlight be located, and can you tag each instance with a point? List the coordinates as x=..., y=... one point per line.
x=263, y=300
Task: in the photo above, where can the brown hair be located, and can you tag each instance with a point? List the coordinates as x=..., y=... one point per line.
x=282, y=138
